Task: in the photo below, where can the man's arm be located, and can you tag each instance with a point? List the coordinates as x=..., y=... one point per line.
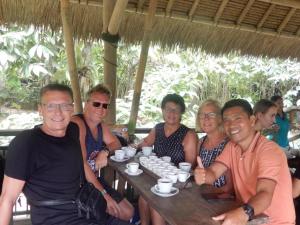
x=264, y=194
x=210, y=174
x=10, y=192
x=259, y=202
x=111, y=141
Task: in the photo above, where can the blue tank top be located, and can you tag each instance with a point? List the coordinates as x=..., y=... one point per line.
x=172, y=145
x=281, y=137
x=93, y=147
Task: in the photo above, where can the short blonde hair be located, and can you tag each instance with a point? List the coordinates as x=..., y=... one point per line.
x=207, y=102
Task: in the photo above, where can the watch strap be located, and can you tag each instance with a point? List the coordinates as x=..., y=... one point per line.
x=107, y=151
x=249, y=210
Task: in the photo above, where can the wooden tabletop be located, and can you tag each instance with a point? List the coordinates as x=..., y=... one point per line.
x=188, y=207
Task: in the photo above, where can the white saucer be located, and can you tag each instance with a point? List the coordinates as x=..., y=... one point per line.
x=119, y=160
x=134, y=174
x=174, y=191
x=139, y=154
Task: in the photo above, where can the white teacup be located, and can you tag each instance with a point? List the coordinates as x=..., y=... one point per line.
x=185, y=166
x=164, y=185
x=147, y=150
x=166, y=158
x=172, y=176
x=132, y=167
x=152, y=157
x=143, y=159
x=130, y=152
x=183, y=176
x=119, y=154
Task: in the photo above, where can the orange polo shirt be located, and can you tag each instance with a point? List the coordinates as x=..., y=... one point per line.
x=263, y=159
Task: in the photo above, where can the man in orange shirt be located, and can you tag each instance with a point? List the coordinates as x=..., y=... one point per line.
x=260, y=173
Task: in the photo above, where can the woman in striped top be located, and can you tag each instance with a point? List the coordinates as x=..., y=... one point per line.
x=212, y=144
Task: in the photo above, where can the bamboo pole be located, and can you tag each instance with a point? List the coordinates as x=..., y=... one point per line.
x=266, y=15
x=245, y=11
x=116, y=17
x=68, y=38
x=169, y=7
x=140, y=5
x=298, y=32
x=110, y=62
x=286, y=20
x=142, y=65
x=220, y=10
x=289, y=3
x=193, y=9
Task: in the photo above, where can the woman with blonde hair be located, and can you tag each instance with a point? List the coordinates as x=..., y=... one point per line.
x=209, y=121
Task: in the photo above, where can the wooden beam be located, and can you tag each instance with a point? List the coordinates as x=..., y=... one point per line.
x=289, y=3
x=142, y=65
x=69, y=42
x=220, y=10
x=116, y=17
x=266, y=15
x=205, y=21
x=169, y=7
x=245, y=11
x=286, y=20
x=193, y=9
x=140, y=5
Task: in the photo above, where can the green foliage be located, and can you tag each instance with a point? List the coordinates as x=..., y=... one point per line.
x=29, y=59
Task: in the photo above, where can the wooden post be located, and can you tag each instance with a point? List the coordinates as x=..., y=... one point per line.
x=68, y=38
x=110, y=62
x=142, y=66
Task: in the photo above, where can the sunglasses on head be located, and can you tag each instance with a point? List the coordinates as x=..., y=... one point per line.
x=100, y=104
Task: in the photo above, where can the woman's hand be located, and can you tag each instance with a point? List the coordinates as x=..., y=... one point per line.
x=112, y=206
x=101, y=160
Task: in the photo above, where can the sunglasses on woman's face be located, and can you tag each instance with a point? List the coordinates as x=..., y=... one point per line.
x=100, y=104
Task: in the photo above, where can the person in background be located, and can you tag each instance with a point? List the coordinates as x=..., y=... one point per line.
x=265, y=112
x=261, y=177
x=46, y=164
x=97, y=143
x=170, y=138
x=281, y=136
x=209, y=121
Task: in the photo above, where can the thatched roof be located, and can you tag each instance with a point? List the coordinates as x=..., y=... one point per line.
x=255, y=27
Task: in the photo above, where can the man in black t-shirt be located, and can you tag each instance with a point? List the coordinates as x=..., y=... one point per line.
x=45, y=163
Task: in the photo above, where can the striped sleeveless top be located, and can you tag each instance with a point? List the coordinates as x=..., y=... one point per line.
x=172, y=145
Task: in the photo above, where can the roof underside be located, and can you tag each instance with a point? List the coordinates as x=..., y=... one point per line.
x=253, y=27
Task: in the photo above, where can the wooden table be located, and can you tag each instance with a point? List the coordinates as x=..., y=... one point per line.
x=188, y=207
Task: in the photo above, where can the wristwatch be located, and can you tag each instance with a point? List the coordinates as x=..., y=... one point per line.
x=248, y=209
x=107, y=151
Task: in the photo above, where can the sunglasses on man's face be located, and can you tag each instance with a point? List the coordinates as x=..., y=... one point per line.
x=100, y=104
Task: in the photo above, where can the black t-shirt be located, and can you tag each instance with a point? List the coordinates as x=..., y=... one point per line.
x=51, y=168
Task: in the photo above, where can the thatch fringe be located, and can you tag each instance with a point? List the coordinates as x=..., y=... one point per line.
x=169, y=32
